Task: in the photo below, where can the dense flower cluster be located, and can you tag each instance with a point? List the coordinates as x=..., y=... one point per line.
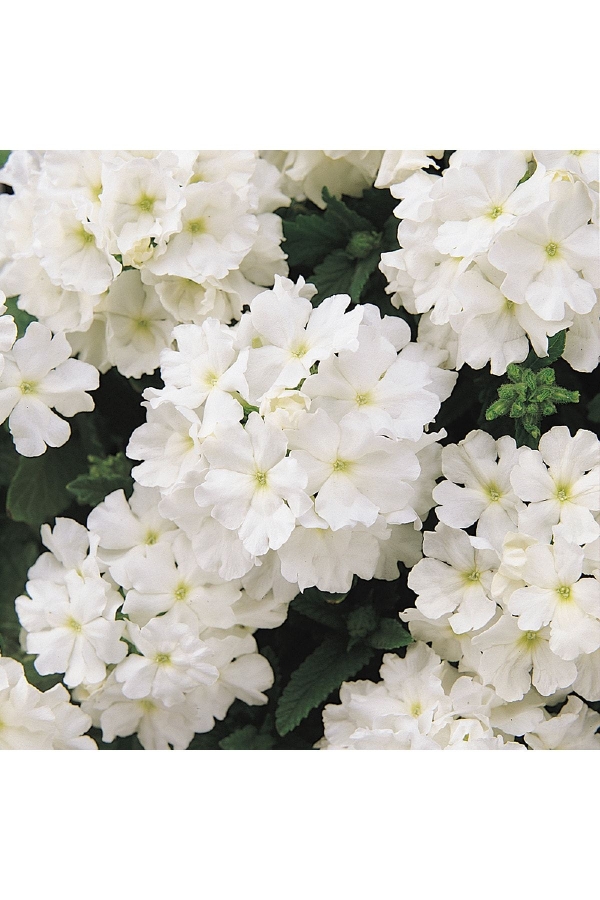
x=291, y=442
x=515, y=606
x=502, y=249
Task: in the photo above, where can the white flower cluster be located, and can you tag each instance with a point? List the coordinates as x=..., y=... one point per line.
x=515, y=606
x=349, y=172
x=36, y=720
x=293, y=444
x=285, y=452
x=190, y=658
x=502, y=248
x=115, y=248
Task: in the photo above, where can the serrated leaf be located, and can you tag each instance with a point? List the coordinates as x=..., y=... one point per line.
x=375, y=205
x=340, y=216
x=361, y=621
x=362, y=272
x=315, y=679
x=105, y=476
x=314, y=605
x=334, y=275
x=247, y=738
x=38, y=489
x=22, y=318
x=308, y=239
x=390, y=635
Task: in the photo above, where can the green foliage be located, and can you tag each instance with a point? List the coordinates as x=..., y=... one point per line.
x=4, y=154
x=37, y=491
x=22, y=318
x=18, y=551
x=104, y=476
x=529, y=397
x=341, y=245
x=9, y=458
x=316, y=678
x=594, y=409
x=390, y=635
x=311, y=604
x=247, y=738
x=556, y=348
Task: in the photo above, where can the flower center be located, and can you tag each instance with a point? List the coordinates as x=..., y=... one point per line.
x=151, y=537
x=261, y=478
x=564, y=592
x=300, y=351
x=496, y=212
x=561, y=494
x=551, y=248
x=363, y=399
x=84, y=236
x=341, y=465
x=475, y=575
x=74, y=625
x=416, y=710
x=196, y=226
x=211, y=378
x=145, y=203
x=181, y=591
x=529, y=638
x=27, y=387
x=493, y=493
x=162, y=659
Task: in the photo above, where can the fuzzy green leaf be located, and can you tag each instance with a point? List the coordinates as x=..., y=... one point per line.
x=247, y=738
x=390, y=635
x=104, y=476
x=308, y=239
x=38, y=490
x=314, y=605
x=334, y=275
x=362, y=272
x=556, y=346
x=340, y=215
x=316, y=678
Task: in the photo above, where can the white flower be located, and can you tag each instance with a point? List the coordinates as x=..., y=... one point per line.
x=574, y=728
x=290, y=336
x=487, y=494
x=482, y=198
x=249, y=481
x=561, y=481
x=126, y=530
x=69, y=251
x=38, y=376
x=25, y=723
x=168, y=442
x=174, y=661
x=139, y=201
x=557, y=595
x=551, y=255
x=216, y=233
x=456, y=576
x=307, y=172
x=71, y=627
x=513, y=660
x=137, y=326
x=356, y=474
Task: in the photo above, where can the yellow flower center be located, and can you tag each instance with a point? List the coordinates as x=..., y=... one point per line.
x=496, y=212
x=561, y=494
x=84, y=236
x=551, y=249
x=181, y=591
x=416, y=710
x=196, y=226
x=363, y=399
x=341, y=465
x=27, y=387
x=74, y=625
x=162, y=659
x=146, y=203
x=261, y=479
x=151, y=537
x=564, y=592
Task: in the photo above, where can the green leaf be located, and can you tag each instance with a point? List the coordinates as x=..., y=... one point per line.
x=18, y=551
x=390, y=635
x=556, y=346
x=313, y=604
x=9, y=458
x=247, y=738
x=38, y=490
x=594, y=409
x=315, y=679
x=362, y=621
x=341, y=216
x=334, y=275
x=310, y=238
x=4, y=154
x=362, y=272
x=22, y=318
x=104, y=476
